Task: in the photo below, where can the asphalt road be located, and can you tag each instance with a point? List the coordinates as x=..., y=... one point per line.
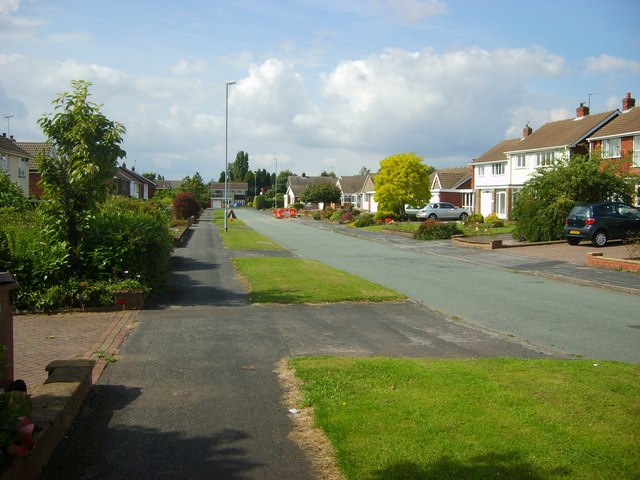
x=194, y=393
x=575, y=319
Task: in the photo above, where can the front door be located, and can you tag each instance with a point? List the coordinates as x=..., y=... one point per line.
x=486, y=202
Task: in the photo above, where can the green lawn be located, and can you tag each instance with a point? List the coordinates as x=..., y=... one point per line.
x=240, y=236
x=476, y=419
x=294, y=280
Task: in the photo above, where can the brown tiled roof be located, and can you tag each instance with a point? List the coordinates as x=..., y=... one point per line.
x=625, y=124
x=351, y=184
x=564, y=133
x=33, y=149
x=496, y=153
x=8, y=145
x=451, y=177
x=230, y=185
x=298, y=184
x=169, y=184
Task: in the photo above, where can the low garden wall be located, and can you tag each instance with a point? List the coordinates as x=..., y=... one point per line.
x=597, y=259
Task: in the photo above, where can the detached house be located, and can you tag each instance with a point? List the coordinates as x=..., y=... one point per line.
x=34, y=149
x=14, y=162
x=298, y=184
x=620, y=139
x=500, y=173
x=131, y=184
x=452, y=185
x=351, y=188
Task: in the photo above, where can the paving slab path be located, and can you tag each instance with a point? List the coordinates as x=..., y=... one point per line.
x=194, y=393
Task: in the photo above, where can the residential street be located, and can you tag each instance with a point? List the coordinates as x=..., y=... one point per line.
x=194, y=393
x=477, y=287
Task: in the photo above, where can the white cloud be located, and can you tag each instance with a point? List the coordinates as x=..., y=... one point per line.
x=184, y=67
x=612, y=65
x=411, y=11
x=9, y=6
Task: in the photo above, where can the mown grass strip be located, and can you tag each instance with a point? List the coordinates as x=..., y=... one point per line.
x=476, y=419
x=294, y=280
x=239, y=236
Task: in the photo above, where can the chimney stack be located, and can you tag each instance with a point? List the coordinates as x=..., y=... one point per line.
x=526, y=131
x=628, y=102
x=582, y=111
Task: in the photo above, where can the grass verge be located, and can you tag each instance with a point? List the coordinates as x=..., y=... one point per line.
x=294, y=280
x=239, y=236
x=476, y=419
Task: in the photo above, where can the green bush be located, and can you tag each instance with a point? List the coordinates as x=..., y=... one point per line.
x=435, y=230
x=126, y=238
x=316, y=216
x=335, y=216
x=327, y=213
x=129, y=236
x=260, y=202
x=297, y=206
x=383, y=215
x=493, y=221
x=475, y=218
x=364, y=220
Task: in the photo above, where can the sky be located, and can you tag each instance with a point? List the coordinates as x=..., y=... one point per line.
x=321, y=86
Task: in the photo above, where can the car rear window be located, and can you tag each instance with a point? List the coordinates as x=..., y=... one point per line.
x=580, y=212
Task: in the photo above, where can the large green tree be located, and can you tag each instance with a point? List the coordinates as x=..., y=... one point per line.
x=77, y=178
x=546, y=199
x=198, y=188
x=323, y=192
x=239, y=168
x=402, y=179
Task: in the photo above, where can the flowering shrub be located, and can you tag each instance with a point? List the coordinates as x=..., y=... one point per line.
x=435, y=230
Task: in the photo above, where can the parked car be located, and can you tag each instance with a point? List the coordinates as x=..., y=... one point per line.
x=443, y=211
x=601, y=222
x=412, y=211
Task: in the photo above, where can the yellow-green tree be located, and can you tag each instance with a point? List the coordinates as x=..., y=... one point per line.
x=403, y=179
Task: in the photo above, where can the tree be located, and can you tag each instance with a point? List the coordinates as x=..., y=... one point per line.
x=76, y=179
x=363, y=172
x=239, y=168
x=153, y=176
x=328, y=174
x=196, y=185
x=546, y=199
x=11, y=194
x=321, y=193
x=185, y=205
x=402, y=179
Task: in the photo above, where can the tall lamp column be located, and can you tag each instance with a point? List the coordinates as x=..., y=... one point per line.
x=226, y=154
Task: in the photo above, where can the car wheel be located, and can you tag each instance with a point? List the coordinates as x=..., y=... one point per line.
x=599, y=239
x=433, y=216
x=464, y=216
x=573, y=241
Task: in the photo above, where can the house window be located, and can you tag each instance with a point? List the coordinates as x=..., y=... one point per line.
x=636, y=151
x=4, y=166
x=480, y=170
x=467, y=201
x=521, y=160
x=497, y=169
x=21, y=168
x=610, y=147
x=347, y=199
x=544, y=159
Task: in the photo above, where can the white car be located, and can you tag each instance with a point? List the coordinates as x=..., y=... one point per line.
x=443, y=211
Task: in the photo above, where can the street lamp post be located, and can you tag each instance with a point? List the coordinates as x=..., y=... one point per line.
x=275, y=193
x=226, y=151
